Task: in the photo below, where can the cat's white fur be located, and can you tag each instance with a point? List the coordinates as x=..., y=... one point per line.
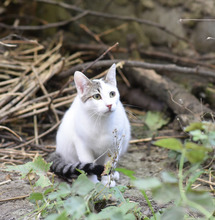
x=90, y=131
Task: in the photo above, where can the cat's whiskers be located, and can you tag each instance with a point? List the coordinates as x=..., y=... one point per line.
x=96, y=116
x=98, y=120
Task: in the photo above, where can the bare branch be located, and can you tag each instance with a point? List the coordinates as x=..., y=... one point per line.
x=145, y=65
x=45, y=26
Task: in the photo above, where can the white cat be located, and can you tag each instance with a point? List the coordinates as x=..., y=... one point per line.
x=93, y=128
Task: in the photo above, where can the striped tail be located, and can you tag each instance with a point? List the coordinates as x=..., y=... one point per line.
x=69, y=170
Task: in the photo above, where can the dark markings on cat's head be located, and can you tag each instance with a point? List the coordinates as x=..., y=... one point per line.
x=91, y=89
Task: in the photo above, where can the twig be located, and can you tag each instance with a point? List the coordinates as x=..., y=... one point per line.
x=40, y=136
x=141, y=64
x=45, y=26
x=45, y=93
x=11, y=161
x=155, y=138
x=14, y=198
x=5, y=182
x=174, y=58
x=196, y=19
x=205, y=181
x=100, y=57
x=11, y=131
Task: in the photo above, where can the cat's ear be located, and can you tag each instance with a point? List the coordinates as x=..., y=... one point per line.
x=111, y=75
x=81, y=82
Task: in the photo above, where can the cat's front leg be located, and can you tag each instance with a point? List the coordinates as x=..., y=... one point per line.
x=93, y=178
x=84, y=154
x=108, y=181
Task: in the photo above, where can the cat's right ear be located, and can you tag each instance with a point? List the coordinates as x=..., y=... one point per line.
x=81, y=82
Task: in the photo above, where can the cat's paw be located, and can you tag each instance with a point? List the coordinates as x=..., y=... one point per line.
x=93, y=178
x=115, y=175
x=107, y=181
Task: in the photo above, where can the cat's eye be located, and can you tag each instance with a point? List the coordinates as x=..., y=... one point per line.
x=97, y=96
x=112, y=94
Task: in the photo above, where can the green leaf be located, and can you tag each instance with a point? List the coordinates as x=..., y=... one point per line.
x=195, y=153
x=155, y=120
x=36, y=196
x=194, y=126
x=75, y=206
x=145, y=184
x=202, y=198
x=176, y=213
x=115, y=213
x=43, y=181
x=63, y=191
x=128, y=173
x=170, y=143
x=115, y=191
x=196, y=147
x=23, y=169
x=166, y=192
x=198, y=135
x=127, y=206
x=82, y=185
x=48, y=190
x=38, y=166
x=168, y=177
x=61, y=216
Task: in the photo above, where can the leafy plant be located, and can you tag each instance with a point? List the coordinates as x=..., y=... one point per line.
x=198, y=147
x=155, y=120
x=196, y=150
x=64, y=201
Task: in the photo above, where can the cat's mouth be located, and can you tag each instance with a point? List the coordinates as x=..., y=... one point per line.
x=110, y=110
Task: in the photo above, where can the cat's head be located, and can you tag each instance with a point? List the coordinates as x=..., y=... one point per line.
x=100, y=95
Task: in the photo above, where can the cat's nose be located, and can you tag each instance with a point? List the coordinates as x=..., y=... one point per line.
x=109, y=107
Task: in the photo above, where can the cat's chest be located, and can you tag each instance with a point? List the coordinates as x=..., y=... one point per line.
x=101, y=137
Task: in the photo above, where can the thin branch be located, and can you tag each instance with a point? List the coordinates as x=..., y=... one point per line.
x=45, y=26
x=14, y=198
x=155, y=138
x=40, y=136
x=100, y=57
x=11, y=131
x=145, y=65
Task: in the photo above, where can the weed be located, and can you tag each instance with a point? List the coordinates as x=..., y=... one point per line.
x=76, y=201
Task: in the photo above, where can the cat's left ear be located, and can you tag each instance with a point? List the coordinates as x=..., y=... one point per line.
x=81, y=82
x=111, y=75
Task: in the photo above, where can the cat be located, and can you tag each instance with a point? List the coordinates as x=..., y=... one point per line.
x=93, y=128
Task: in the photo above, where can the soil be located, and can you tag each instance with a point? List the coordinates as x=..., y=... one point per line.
x=145, y=161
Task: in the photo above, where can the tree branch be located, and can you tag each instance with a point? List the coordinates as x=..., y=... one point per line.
x=141, y=64
x=45, y=26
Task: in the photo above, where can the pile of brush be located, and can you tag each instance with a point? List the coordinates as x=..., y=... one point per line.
x=30, y=100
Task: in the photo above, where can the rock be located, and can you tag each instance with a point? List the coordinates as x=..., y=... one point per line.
x=199, y=37
x=167, y=18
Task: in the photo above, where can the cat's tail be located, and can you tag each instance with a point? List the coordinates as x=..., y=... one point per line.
x=70, y=170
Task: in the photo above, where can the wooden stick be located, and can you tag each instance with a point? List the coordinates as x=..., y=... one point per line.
x=5, y=182
x=14, y=198
x=141, y=64
x=206, y=181
x=155, y=138
x=11, y=131
x=45, y=26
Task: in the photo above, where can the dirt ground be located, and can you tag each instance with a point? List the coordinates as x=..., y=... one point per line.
x=144, y=161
